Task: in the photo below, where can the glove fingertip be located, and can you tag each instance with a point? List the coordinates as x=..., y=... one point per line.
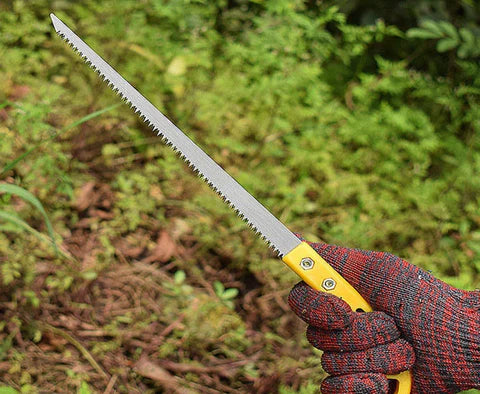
x=362, y=383
x=406, y=358
x=319, y=309
x=390, y=358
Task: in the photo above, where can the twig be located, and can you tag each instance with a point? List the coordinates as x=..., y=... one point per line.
x=148, y=369
x=77, y=344
x=167, y=330
x=223, y=370
x=110, y=384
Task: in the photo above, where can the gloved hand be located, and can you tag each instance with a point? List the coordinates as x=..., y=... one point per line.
x=420, y=323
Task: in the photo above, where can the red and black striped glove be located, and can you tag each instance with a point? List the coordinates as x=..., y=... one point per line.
x=420, y=323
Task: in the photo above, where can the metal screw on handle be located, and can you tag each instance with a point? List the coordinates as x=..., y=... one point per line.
x=307, y=263
x=329, y=284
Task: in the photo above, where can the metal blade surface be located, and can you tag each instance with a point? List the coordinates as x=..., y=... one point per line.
x=274, y=232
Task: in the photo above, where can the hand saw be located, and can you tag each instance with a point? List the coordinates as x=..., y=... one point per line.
x=298, y=255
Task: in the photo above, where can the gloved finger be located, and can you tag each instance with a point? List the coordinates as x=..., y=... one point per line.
x=361, y=383
x=367, y=330
x=390, y=358
x=319, y=309
x=383, y=279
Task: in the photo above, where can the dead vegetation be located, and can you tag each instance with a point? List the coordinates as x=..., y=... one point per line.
x=135, y=327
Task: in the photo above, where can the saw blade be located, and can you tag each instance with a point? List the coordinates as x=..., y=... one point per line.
x=262, y=221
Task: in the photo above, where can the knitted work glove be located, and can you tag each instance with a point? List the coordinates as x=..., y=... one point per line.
x=420, y=323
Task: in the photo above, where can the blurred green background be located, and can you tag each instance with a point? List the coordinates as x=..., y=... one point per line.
x=354, y=122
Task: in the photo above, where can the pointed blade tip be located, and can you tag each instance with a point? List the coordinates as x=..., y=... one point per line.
x=267, y=226
x=55, y=21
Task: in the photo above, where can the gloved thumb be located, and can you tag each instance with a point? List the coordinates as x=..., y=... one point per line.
x=383, y=279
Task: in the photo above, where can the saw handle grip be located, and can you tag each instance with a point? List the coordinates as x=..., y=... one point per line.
x=320, y=275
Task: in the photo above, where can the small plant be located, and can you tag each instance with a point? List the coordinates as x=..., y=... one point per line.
x=226, y=295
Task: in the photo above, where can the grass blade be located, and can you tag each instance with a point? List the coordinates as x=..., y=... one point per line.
x=86, y=118
x=20, y=223
x=29, y=197
x=14, y=162
x=89, y=116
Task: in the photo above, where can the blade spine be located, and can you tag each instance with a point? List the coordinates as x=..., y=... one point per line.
x=136, y=108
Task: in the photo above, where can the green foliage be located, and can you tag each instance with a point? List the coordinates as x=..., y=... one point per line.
x=84, y=388
x=7, y=390
x=16, y=160
x=353, y=124
x=307, y=389
x=464, y=39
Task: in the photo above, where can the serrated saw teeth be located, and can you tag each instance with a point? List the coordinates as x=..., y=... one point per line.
x=258, y=218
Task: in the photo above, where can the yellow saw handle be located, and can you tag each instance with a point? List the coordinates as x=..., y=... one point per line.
x=320, y=275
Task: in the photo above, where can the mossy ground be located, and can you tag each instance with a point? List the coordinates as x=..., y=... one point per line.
x=350, y=132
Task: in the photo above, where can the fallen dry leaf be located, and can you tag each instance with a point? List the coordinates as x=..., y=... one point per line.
x=101, y=214
x=128, y=249
x=95, y=195
x=86, y=196
x=148, y=369
x=164, y=249
x=3, y=114
x=17, y=92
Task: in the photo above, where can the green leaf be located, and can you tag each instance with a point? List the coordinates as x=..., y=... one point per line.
x=230, y=293
x=179, y=277
x=448, y=29
x=29, y=197
x=218, y=287
x=470, y=46
x=421, y=33
x=432, y=26
x=464, y=50
x=110, y=150
x=467, y=35
x=89, y=275
x=446, y=44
